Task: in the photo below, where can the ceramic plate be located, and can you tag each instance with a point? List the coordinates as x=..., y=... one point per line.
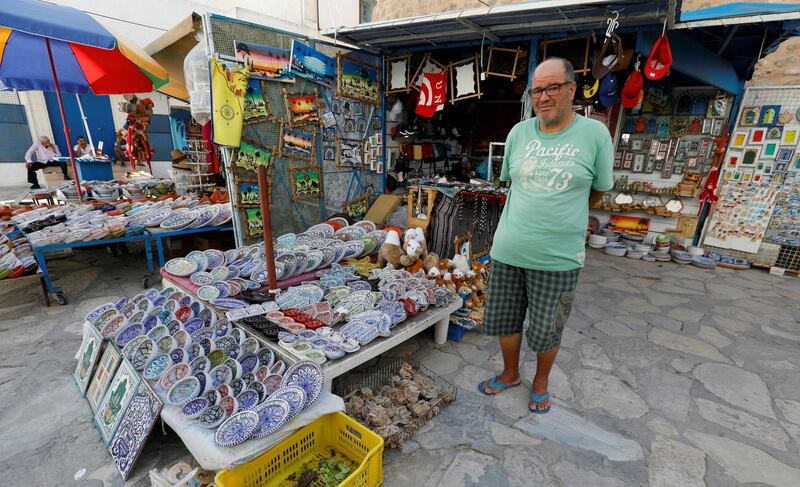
x=247, y=399
x=179, y=219
x=128, y=333
x=183, y=391
x=173, y=375
x=215, y=258
x=249, y=363
x=201, y=278
x=228, y=303
x=293, y=395
x=194, y=408
x=199, y=364
x=212, y=417
x=307, y=375
x=236, y=429
x=156, y=366
x=200, y=258
x=205, y=215
x=272, y=414
x=207, y=293
x=181, y=267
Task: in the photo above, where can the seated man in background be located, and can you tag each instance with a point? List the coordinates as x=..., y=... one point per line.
x=82, y=149
x=44, y=151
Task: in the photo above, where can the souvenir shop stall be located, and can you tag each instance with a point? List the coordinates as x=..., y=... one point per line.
x=755, y=217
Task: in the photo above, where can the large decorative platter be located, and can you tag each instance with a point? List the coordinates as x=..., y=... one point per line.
x=200, y=258
x=294, y=396
x=215, y=258
x=272, y=414
x=237, y=429
x=306, y=375
x=181, y=267
x=179, y=219
x=184, y=391
x=205, y=215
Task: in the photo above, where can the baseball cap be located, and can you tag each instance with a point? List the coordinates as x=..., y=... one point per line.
x=589, y=86
x=609, y=90
x=660, y=59
x=610, y=55
x=632, y=91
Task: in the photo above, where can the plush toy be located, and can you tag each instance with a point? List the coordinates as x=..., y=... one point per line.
x=413, y=252
x=460, y=262
x=391, y=251
x=448, y=282
x=430, y=262
x=415, y=267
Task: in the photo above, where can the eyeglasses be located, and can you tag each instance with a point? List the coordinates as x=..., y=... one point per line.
x=551, y=90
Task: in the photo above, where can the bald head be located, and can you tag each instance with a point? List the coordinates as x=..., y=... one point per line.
x=555, y=64
x=552, y=91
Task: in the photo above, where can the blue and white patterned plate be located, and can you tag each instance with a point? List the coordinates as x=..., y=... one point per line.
x=236, y=369
x=307, y=375
x=265, y=357
x=184, y=391
x=194, y=408
x=221, y=328
x=236, y=429
x=249, y=362
x=215, y=258
x=194, y=325
x=199, y=364
x=272, y=414
x=128, y=333
x=260, y=389
x=178, y=356
x=199, y=258
x=202, y=333
x=221, y=374
x=247, y=399
x=293, y=395
x=195, y=350
x=179, y=219
x=202, y=278
x=205, y=215
x=205, y=382
x=156, y=366
x=228, y=303
x=207, y=293
x=120, y=303
x=250, y=345
x=212, y=417
x=158, y=332
x=181, y=267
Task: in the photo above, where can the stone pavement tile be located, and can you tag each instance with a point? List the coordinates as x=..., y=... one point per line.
x=780, y=333
x=737, y=386
x=714, y=337
x=773, y=310
x=524, y=467
x=767, y=432
x=422, y=467
x=636, y=323
x=472, y=468
x=607, y=392
x=790, y=410
x=613, y=328
x=664, y=299
x=668, y=394
x=661, y=426
x=718, y=290
x=732, y=325
x=441, y=363
x=788, y=388
x=794, y=432
x=686, y=315
x=745, y=463
x=558, y=383
x=594, y=357
x=566, y=427
x=735, y=313
x=505, y=436
x=571, y=475
x=685, y=344
x=472, y=354
x=636, y=353
x=661, y=321
x=682, y=365
x=636, y=305
x=673, y=463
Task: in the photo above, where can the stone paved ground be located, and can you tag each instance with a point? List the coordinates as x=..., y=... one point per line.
x=668, y=376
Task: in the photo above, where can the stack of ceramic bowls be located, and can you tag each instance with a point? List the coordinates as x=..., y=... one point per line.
x=661, y=256
x=616, y=249
x=642, y=248
x=597, y=241
x=704, y=262
x=611, y=235
x=630, y=240
x=681, y=257
x=636, y=254
x=695, y=251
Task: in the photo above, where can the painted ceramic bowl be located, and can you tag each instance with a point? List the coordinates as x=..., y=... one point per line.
x=194, y=408
x=183, y=391
x=174, y=374
x=212, y=416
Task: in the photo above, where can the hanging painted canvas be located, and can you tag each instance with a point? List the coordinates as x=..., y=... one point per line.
x=228, y=85
x=256, y=104
x=252, y=222
x=247, y=194
x=350, y=153
x=87, y=357
x=358, y=80
x=251, y=156
x=311, y=64
x=398, y=72
x=115, y=400
x=741, y=216
x=465, y=81
x=135, y=426
x=297, y=144
x=306, y=182
x=266, y=62
x=102, y=375
x=301, y=108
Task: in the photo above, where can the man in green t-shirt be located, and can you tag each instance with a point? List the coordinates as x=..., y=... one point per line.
x=558, y=163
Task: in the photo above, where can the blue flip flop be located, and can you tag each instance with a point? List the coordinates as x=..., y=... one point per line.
x=496, y=385
x=537, y=399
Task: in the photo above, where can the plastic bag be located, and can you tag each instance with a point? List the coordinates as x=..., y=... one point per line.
x=198, y=83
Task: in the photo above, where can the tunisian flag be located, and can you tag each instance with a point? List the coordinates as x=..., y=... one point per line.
x=432, y=94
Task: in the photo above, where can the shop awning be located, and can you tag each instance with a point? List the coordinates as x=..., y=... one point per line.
x=499, y=22
x=170, y=50
x=739, y=13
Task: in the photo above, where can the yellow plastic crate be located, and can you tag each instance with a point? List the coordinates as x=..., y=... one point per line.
x=337, y=431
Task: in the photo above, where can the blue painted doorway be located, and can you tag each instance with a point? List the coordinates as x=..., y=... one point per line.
x=98, y=116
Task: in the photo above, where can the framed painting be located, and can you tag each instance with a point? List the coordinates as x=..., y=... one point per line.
x=115, y=400
x=247, y=194
x=649, y=166
x=739, y=139
x=757, y=135
x=789, y=137
x=134, y=428
x=465, y=80
x=733, y=159
x=306, y=182
x=298, y=144
x=749, y=116
x=750, y=155
x=301, y=108
x=328, y=153
x=462, y=245
x=256, y=103
x=691, y=162
x=105, y=370
x=398, y=74
x=427, y=65
x=768, y=115
x=252, y=223
x=87, y=357
x=770, y=150
x=638, y=163
x=350, y=153
x=718, y=107
x=775, y=132
x=627, y=160
x=716, y=129
x=357, y=80
x=250, y=156
x=617, y=160
x=785, y=154
x=265, y=62
x=312, y=65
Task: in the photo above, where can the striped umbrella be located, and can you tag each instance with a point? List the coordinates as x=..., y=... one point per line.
x=55, y=48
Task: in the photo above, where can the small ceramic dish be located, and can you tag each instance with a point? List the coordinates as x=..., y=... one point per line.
x=199, y=364
x=194, y=408
x=230, y=404
x=212, y=416
x=183, y=391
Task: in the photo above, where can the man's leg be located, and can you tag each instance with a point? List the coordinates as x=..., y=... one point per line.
x=64, y=170
x=544, y=363
x=32, y=167
x=510, y=346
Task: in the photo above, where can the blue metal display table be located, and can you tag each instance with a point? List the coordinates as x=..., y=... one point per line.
x=92, y=169
x=42, y=261
x=160, y=234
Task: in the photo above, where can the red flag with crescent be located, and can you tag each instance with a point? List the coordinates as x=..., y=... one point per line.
x=432, y=94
